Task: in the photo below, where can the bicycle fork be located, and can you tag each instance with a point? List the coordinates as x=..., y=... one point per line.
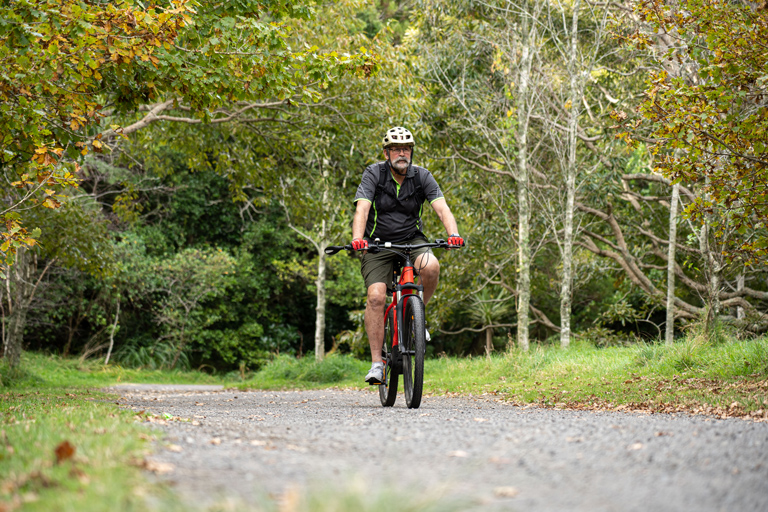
x=408, y=288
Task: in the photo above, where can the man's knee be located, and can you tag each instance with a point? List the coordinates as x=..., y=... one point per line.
x=377, y=297
x=431, y=268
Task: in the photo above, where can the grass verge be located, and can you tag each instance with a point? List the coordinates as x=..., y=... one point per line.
x=693, y=376
x=64, y=446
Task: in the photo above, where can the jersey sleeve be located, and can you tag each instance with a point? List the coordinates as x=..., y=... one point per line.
x=431, y=189
x=367, y=188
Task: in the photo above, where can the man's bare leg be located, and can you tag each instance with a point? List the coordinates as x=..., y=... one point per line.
x=429, y=274
x=374, y=318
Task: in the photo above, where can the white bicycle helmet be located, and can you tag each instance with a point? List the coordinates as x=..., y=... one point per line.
x=398, y=135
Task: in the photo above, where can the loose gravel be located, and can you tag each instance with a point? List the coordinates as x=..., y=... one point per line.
x=467, y=453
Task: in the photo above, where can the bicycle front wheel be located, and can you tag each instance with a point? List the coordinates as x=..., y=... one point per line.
x=388, y=388
x=414, y=346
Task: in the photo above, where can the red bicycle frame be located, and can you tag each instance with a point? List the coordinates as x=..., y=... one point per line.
x=406, y=277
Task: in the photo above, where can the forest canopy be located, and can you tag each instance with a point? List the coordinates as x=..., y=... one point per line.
x=174, y=171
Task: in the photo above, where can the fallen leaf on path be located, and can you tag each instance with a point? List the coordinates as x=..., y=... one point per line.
x=174, y=448
x=458, y=453
x=480, y=420
x=635, y=446
x=64, y=451
x=215, y=441
x=505, y=492
x=159, y=468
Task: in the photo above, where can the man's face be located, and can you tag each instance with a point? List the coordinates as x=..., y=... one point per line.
x=399, y=158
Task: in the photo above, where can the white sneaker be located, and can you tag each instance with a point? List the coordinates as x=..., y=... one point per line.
x=375, y=374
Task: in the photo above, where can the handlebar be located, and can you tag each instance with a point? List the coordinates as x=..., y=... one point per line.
x=376, y=246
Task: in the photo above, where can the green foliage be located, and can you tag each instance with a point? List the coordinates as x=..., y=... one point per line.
x=710, y=127
x=76, y=71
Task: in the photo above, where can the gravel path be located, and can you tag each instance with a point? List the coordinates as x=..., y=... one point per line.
x=474, y=454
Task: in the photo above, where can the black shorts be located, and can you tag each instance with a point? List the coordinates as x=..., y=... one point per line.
x=378, y=267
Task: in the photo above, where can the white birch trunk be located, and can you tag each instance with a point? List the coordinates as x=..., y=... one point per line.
x=524, y=212
x=112, y=332
x=321, y=274
x=740, y=288
x=321, y=301
x=566, y=287
x=19, y=276
x=669, y=334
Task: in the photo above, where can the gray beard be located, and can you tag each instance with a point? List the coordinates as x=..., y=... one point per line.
x=400, y=166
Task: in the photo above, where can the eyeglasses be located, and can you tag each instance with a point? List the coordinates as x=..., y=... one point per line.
x=396, y=149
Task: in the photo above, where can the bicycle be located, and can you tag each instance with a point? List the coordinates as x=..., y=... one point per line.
x=404, y=344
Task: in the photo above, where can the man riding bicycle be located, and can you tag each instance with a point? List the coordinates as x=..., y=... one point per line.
x=389, y=203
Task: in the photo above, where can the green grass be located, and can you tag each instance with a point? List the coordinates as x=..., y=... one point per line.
x=53, y=371
x=691, y=376
x=49, y=401
x=287, y=372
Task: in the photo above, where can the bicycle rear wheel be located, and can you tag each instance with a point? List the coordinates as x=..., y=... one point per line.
x=414, y=346
x=388, y=389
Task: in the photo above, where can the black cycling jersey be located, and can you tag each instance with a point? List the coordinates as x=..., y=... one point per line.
x=395, y=213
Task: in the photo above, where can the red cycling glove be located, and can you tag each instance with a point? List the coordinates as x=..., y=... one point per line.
x=360, y=244
x=456, y=240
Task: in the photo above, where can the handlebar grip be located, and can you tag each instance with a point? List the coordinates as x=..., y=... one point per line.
x=333, y=249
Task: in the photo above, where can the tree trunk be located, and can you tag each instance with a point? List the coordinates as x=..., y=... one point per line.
x=713, y=275
x=22, y=290
x=112, y=332
x=740, y=288
x=524, y=212
x=566, y=290
x=488, y=341
x=669, y=334
x=320, y=308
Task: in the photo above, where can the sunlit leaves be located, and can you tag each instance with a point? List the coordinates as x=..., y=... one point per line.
x=715, y=114
x=67, y=64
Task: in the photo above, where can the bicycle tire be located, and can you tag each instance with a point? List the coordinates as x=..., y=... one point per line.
x=414, y=344
x=388, y=389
